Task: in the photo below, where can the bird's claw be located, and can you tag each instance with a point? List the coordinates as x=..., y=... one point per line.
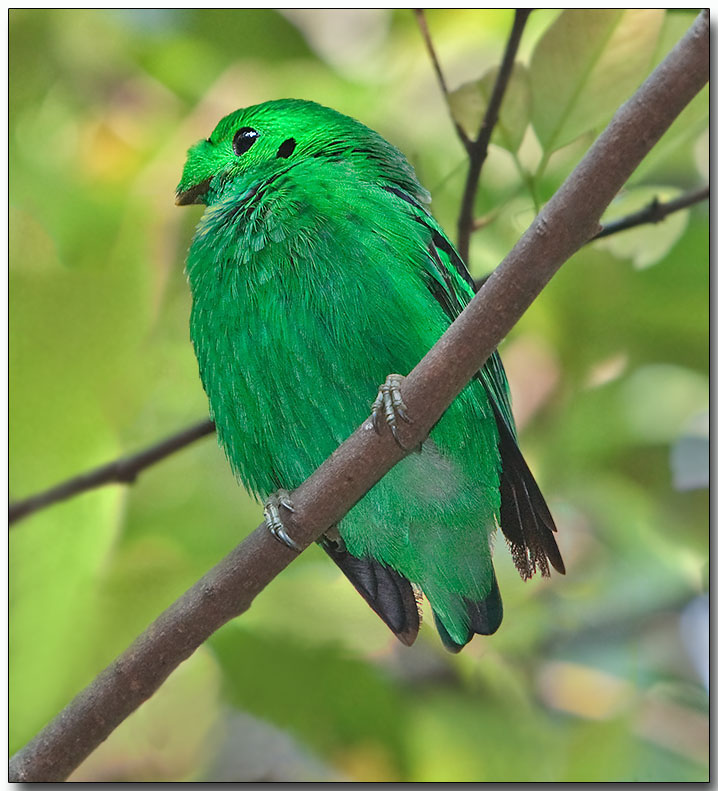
x=274, y=520
x=391, y=404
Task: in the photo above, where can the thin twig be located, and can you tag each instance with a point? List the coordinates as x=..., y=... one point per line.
x=561, y=228
x=123, y=470
x=478, y=149
x=654, y=212
x=423, y=27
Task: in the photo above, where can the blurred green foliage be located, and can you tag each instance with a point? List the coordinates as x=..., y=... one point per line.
x=600, y=675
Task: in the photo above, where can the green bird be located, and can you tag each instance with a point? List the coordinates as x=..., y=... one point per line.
x=317, y=272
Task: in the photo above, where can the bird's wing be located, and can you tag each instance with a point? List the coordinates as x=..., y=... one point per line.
x=526, y=521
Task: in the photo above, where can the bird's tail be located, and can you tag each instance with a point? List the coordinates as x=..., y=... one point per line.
x=482, y=616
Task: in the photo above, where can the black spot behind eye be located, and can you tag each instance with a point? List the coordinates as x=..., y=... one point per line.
x=244, y=140
x=286, y=149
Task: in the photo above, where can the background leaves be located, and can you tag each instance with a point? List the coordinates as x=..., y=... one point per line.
x=585, y=66
x=609, y=371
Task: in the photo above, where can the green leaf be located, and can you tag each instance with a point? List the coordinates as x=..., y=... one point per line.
x=585, y=65
x=469, y=102
x=671, y=155
x=675, y=25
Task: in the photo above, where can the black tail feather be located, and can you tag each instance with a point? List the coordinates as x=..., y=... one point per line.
x=526, y=521
x=387, y=592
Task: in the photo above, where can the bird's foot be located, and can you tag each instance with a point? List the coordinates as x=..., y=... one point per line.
x=391, y=404
x=274, y=520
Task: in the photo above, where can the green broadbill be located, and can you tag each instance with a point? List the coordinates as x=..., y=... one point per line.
x=317, y=271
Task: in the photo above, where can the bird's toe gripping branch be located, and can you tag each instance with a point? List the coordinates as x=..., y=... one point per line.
x=391, y=404
x=274, y=520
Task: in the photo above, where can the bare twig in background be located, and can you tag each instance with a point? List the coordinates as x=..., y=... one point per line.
x=561, y=228
x=421, y=21
x=479, y=149
x=123, y=470
x=654, y=212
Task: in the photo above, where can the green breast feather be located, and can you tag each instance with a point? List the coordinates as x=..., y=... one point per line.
x=316, y=271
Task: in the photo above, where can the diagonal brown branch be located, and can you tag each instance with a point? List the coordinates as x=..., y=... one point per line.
x=479, y=149
x=654, y=212
x=562, y=227
x=124, y=470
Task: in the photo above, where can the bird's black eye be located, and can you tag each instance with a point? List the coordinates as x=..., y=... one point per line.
x=243, y=140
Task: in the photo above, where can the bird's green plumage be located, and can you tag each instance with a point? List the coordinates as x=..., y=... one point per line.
x=316, y=271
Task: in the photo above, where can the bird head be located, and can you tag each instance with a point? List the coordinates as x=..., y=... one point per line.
x=256, y=142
